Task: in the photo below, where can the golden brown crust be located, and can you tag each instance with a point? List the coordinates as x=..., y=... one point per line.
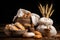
x=11, y=27
x=20, y=26
x=15, y=28
x=7, y=27
x=37, y=34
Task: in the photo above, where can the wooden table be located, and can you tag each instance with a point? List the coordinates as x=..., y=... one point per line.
x=18, y=38
x=4, y=37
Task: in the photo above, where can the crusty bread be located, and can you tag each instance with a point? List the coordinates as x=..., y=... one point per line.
x=13, y=27
x=37, y=34
x=19, y=26
x=7, y=27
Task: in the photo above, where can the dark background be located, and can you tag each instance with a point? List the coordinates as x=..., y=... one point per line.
x=9, y=9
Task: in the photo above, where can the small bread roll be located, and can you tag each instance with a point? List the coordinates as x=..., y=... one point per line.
x=37, y=34
x=13, y=27
x=7, y=27
x=19, y=26
x=6, y=30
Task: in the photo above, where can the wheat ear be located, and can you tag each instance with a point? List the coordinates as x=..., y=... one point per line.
x=49, y=11
x=46, y=11
x=41, y=8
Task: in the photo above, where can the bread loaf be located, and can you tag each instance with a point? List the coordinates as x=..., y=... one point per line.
x=19, y=26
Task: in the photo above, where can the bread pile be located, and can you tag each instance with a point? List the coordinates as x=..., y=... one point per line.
x=24, y=23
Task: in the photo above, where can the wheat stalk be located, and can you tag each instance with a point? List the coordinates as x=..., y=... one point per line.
x=46, y=11
x=41, y=9
x=46, y=8
x=49, y=11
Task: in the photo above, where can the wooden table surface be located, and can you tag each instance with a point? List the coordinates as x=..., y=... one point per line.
x=18, y=38
x=4, y=37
